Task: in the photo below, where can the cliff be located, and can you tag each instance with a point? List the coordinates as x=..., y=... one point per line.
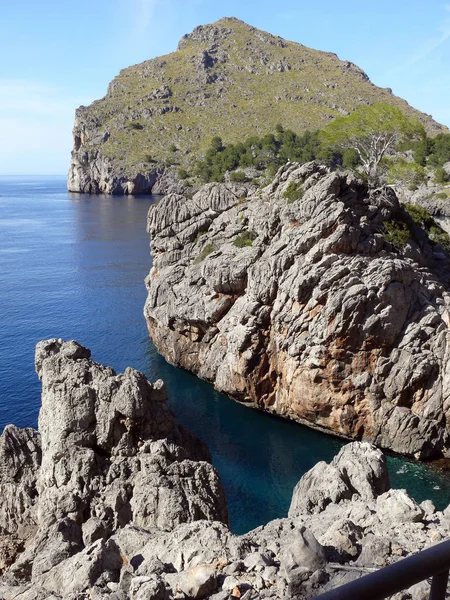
x=112, y=499
x=314, y=299
x=226, y=78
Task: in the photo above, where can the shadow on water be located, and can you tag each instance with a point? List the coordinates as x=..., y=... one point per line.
x=261, y=457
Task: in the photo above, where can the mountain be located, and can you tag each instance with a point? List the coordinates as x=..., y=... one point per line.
x=225, y=79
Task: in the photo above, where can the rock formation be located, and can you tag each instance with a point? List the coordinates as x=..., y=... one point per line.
x=116, y=501
x=226, y=78
x=109, y=453
x=314, y=299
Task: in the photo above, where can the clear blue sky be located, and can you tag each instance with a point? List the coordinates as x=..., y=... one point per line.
x=56, y=55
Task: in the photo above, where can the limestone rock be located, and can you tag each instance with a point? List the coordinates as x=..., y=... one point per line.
x=20, y=458
x=124, y=504
x=359, y=468
x=112, y=449
x=306, y=309
x=109, y=454
x=302, y=556
x=398, y=507
x=198, y=582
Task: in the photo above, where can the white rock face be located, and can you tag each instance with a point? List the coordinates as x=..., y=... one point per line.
x=305, y=308
x=122, y=505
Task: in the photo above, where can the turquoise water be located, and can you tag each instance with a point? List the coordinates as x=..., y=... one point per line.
x=73, y=267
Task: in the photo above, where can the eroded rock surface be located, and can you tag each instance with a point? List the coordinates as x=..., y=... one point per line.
x=327, y=540
x=307, y=306
x=108, y=453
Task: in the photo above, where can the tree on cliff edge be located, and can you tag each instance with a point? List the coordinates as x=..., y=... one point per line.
x=372, y=131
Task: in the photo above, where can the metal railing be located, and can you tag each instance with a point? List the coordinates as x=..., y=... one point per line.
x=433, y=562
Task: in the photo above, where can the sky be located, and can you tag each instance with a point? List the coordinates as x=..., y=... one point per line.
x=56, y=55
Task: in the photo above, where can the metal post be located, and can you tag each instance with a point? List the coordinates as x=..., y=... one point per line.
x=439, y=586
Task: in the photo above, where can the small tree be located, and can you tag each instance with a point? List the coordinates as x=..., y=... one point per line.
x=372, y=131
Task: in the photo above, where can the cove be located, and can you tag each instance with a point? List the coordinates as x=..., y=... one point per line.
x=73, y=267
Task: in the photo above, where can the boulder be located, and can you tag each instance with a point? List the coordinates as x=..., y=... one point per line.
x=359, y=468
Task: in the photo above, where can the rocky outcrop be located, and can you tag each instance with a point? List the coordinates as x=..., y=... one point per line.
x=314, y=299
x=109, y=453
x=121, y=505
x=226, y=78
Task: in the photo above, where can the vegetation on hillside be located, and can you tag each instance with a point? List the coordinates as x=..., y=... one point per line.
x=266, y=153
x=399, y=231
x=167, y=109
x=377, y=142
x=372, y=132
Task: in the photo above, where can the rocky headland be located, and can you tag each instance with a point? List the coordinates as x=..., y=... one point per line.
x=225, y=79
x=315, y=299
x=112, y=499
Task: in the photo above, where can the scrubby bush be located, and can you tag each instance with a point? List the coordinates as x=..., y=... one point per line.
x=420, y=215
x=293, y=192
x=409, y=174
x=441, y=175
x=350, y=159
x=204, y=253
x=435, y=232
x=246, y=238
x=238, y=177
x=397, y=233
x=267, y=153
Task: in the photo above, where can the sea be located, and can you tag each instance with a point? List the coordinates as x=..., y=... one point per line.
x=73, y=266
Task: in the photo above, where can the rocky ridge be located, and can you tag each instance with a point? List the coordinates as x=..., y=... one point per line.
x=112, y=499
x=314, y=307
x=226, y=78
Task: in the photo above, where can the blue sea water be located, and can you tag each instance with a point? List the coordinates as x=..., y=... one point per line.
x=73, y=266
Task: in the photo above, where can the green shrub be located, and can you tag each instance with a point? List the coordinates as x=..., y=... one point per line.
x=350, y=159
x=245, y=238
x=438, y=235
x=238, y=177
x=173, y=148
x=441, y=196
x=440, y=175
x=148, y=158
x=204, y=253
x=217, y=144
x=420, y=215
x=293, y=192
x=435, y=232
x=266, y=152
x=408, y=173
x=182, y=173
x=396, y=233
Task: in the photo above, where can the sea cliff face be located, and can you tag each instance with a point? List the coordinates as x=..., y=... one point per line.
x=112, y=499
x=314, y=299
